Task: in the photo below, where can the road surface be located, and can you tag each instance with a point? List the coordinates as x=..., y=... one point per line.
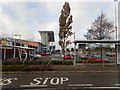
x=61, y=80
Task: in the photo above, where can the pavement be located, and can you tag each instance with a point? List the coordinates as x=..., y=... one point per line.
x=97, y=67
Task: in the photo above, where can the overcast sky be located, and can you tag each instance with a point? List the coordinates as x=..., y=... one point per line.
x=28, y=17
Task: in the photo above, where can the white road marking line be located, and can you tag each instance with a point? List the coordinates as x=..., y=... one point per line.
x=104, y=87
x=117, y=84
x=33, y=85
x=78, y=85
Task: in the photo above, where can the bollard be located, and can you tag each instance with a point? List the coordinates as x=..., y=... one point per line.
x=103, y=64
x=83, y=63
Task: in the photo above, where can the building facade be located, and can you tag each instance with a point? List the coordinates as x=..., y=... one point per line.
x=8, y=47
x=47, y=39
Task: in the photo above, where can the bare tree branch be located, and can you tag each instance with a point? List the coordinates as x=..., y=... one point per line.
x=101, y=28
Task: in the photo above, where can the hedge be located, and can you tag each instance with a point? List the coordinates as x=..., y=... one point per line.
x=27, y=68
x=38, y=62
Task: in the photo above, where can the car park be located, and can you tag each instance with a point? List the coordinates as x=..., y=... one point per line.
x=44, y=53
x=74, y=54
x=67, y=56
x=98, y=59
x=31, y=56
x=36, y=56
x=111, y=54
x=56, y=56
x=84, y=56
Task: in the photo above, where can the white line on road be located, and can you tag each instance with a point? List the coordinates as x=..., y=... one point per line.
x=104, y=87
x=78, y=85
x=33, y=85
x=117, y=84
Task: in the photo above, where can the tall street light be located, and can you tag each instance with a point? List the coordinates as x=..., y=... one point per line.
x=14, y=44
x=115, y=1
x=74, y=62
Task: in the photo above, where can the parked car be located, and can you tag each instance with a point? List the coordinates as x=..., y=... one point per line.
x=111, y=54
x=98, y=60
x=45, y=53
x=74, y=54
x=84, y=56
x=31, y=56
x=36, y=56
x=91, y=54
x=67, y=56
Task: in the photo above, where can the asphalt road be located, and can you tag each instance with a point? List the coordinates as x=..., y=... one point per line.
x=61, y=80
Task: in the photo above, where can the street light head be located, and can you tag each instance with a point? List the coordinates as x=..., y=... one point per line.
x=17, y=35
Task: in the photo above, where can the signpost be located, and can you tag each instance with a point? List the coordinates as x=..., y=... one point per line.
x=118, y=54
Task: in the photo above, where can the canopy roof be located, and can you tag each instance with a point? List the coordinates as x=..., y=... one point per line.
x=96, y=41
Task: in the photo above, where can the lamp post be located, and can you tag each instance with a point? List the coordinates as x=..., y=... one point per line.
x=74, y=62
x=115, y=1
x=14, y=44
x=116, y=47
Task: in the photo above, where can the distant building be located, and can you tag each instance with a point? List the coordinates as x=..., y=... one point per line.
x=7, y=44
x=47, y=39
x=33, y=44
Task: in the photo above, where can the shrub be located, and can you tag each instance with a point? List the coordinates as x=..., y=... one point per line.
x=38, y=62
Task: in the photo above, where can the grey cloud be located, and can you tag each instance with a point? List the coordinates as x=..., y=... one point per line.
x=28, y=21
